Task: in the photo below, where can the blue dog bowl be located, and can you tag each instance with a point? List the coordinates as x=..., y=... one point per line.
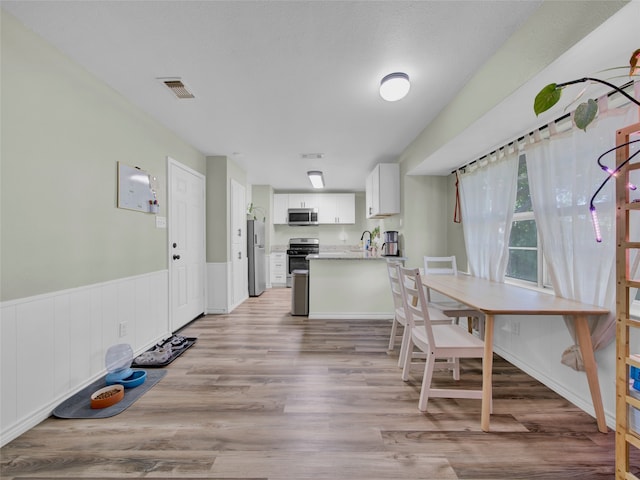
x=118, y=376
x=136, y=378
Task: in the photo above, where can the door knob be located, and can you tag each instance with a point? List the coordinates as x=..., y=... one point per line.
x=175, y=245
x=176, y=257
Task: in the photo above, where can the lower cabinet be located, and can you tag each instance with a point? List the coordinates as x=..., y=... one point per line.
x=278, y=269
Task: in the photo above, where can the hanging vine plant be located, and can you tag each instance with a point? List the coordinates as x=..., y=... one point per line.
x=586, y=111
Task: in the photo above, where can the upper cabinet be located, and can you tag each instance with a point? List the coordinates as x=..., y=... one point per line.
x=383, y=191
x=280, y=207
x=333, y=208
x=337, y=208
x=304, y=200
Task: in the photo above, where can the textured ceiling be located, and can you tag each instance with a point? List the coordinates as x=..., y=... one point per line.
x=274, y=80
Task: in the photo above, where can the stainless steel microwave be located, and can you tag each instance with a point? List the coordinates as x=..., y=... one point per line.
x=302, y=216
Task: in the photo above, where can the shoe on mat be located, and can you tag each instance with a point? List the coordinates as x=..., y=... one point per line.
x=178, y=342
x=155, y=356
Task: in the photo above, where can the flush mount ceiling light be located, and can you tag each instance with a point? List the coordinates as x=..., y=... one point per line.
x=394, y=86
x=316, y=178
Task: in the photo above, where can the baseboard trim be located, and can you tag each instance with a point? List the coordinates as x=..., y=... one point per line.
x=350, y=316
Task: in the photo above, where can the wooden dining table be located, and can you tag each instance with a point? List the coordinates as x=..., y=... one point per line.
x=493, y=298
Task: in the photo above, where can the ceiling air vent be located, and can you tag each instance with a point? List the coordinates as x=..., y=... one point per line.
x=177, y=87
x=312, y=156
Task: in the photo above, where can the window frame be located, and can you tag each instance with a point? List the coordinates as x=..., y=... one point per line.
x=543, y=281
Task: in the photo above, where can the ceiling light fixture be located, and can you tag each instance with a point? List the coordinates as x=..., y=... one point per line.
x=394, y=86
x=316, y=178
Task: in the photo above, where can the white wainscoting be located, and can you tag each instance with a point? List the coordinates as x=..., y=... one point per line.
x=53, y=345
x=535, y=345
x=217, y=288
x=220, y=294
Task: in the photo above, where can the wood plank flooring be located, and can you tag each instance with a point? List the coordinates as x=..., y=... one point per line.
x=264, y=395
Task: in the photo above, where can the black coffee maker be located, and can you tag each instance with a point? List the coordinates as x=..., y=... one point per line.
x=390, y=245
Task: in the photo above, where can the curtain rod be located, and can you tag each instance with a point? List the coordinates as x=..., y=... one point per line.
x=542, y=128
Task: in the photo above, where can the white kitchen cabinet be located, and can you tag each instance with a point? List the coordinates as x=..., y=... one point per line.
x=383, y=191
x=304, y=200
x=278, y=269
x=337, y=208
x=333, y=208
x=280, y=207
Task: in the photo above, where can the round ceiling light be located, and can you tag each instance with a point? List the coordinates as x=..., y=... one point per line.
x=394, y=86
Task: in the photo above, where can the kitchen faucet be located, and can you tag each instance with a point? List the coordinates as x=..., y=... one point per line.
x=366, y=245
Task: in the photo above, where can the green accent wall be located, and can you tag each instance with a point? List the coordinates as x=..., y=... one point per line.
x=552, y=29
x=220, y=170
x=63, y=132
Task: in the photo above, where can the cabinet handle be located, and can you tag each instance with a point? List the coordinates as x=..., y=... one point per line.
x=239, y=232
x=239, y=255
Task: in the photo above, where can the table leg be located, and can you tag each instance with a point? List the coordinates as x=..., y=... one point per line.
x=487, y=370
x=591, y=369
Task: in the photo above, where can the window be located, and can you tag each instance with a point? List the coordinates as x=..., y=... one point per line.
x=525, y=259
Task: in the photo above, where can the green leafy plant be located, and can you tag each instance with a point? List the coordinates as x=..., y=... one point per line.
x=586, y=111
x=253, y=210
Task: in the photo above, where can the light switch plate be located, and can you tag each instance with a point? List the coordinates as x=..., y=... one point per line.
x=161, y=222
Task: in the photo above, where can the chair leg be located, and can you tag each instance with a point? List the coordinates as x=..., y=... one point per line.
x=426, y=382
x=456, y=368
x=404, y=351
x=470, y=324
x=392, y=336
x=408, y=352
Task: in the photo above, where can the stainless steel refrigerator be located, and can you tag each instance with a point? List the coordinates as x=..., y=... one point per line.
x=256, y=256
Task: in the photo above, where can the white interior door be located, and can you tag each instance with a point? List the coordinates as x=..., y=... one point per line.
x=238, y=242
x=186, y=244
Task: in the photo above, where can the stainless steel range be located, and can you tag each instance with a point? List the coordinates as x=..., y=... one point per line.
x=297, y=251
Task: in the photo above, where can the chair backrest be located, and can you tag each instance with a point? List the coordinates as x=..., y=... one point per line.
x=440, y=265
x=415, y=300
x=394, y=282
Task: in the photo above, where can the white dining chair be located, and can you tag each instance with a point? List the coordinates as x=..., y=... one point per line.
x=442, y=343
x=399, y=317
x=451, y=308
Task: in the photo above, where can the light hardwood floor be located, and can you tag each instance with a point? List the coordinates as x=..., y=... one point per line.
x=264, y=395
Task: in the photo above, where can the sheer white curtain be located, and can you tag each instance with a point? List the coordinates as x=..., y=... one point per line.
x=563, y=175
x=487, y=199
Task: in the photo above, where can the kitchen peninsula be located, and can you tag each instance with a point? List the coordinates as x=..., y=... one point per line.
x=349, y=285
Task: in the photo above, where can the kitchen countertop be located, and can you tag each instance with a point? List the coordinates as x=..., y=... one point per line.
x=350, y=255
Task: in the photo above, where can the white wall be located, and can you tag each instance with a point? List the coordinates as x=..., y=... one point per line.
x=55, y=344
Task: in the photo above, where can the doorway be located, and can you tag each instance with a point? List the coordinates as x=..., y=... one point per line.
x=186, y=206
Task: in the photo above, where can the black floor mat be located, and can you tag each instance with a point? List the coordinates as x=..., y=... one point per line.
x=175, y=353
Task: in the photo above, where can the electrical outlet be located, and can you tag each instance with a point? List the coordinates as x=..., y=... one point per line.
x=123, y=329
x=515, y=328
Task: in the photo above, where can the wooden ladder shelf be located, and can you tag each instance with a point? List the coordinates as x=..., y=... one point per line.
x=626, y=436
